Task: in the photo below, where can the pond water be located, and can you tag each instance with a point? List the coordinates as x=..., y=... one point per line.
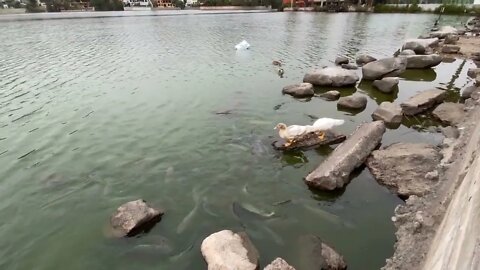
x=96, y=112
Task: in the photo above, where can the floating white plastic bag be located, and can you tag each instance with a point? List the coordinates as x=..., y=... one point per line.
x=242, y=45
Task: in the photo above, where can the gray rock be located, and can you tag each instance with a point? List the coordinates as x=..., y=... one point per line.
x=419, y=46
x=424, y=36
x=407, y=52
x=332, y=76
x=423, y=61
x=350, y=66
x=364, y=59
x=226, y=250
x=331, y=95
x=317, y=255
x=335, y=170
x=341, y=60
x=450, y=132
x=131, y=217
x=467, y=92
x=443, y=32
x=386, y=85
x=451, y=39
x=387, y=67
x=402, y=167
x=389, y=113
x=473, y=72
x=450, y=113
x=422, y=101
x=355, y=101
x=450, y=49
x=299, y=90
x=279, y=264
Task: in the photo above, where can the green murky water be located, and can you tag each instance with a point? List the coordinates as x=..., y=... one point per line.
x=96, y=112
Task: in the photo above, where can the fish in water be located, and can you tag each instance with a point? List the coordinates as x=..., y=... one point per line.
x=248, y=211
x=187, y=220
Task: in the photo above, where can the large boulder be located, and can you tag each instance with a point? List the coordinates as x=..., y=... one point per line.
x=225, y=250
x=419, y=46
x=389, y=113
x=133, y=217
x=422, y=101
x=387, y=67
x=341, y=60
x=450, y=49
x=407, y=52
x=299, y=90
x=363, y=59
x=316, y=255
x=450, y=113
x=423, y=61
x=332, y=76
x=443, y=32
x=331, y=95
x=354, y=102
x=406, y=168
x=279, y=264
x=386, y=85
x=335, y=170
x=451, y=39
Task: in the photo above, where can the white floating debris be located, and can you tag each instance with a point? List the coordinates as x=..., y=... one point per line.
x=242, y=45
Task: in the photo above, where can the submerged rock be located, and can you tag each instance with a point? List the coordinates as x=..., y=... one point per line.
x=350, y=66
x=402, y=167
x=423, y=61
x=341, y=60
x=389, y=113
x=422, y=101
x=331, y=95
x=331, y=76
x=335, y=170
x=386, y=85
x=299, y=90
x=132, y=217
x=387, y=67
x=279, y=264
x=355, y=102
x=407, y=52
x=317, y=255
x=450, y=113
x=228, y=250
x=364, y=59
x=450, y=49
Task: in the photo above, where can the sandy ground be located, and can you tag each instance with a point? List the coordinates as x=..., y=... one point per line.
x=468, y=46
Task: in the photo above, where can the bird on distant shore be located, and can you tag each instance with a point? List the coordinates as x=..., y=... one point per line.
x=290, y=133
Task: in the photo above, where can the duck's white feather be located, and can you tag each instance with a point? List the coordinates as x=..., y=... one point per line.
x=327, y=123
x=322, y=124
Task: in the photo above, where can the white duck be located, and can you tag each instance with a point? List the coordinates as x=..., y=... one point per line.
x=289, y=133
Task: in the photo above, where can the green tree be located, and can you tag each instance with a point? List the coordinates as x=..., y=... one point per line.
x=107, y=5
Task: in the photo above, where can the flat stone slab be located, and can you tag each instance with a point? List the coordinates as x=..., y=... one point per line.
x=387, y=67
x=423, y=61
x=422, y=101
x=310, y=140
x=279, y=264
x=131, y=217
x=335, y=170
x=389, y=113
x=226, y=250
x=299, y=90
x=332, y=76
x=450, y=113
x=406, y=168
x=354, y=102
x=450, y=49
x=363, y=59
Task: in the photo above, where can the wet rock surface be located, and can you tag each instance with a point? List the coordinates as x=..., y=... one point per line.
x=473, y=72
x=335, y=170
x=423, y=61
x=402, y=167
x=299, y=90
x=386, y=85
x=450, y=113
x=451, y=39
x=279, y=264
x=318, y=255
x=363, y=59
x=331, y=76
x=387, y=67
x=468, y=91
x=422, y=101
x=450, y=132
x=354, y=102
x=331, y=95
x=407, y=52
x=133, y=217
x=228, y=250
x=341, y=60
x=419, y=46
x=389, y=113
x=450, y=49
x=350, y=66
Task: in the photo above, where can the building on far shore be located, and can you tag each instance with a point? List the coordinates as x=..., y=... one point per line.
x=165, y=4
